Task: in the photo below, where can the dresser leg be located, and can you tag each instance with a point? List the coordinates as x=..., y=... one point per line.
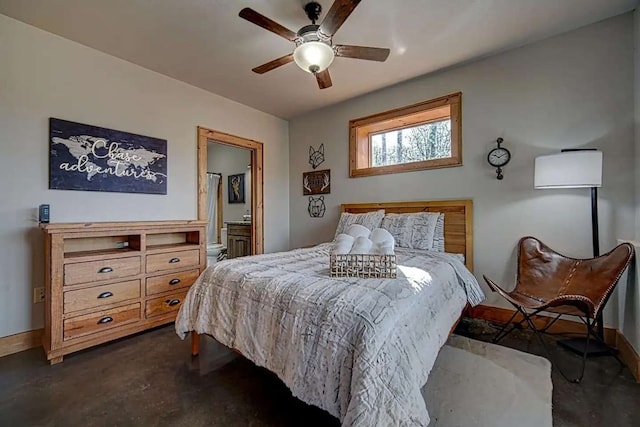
x=195, y=343
x=56, y=360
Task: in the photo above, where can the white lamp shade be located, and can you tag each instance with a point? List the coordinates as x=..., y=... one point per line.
x=313, y=57
x=570, y=169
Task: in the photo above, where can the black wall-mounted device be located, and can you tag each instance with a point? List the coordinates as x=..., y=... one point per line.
x=43, y=213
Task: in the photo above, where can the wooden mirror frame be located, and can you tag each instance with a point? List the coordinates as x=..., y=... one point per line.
x=257, y=199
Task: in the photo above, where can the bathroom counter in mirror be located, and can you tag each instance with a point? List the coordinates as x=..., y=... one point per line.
x=238, y=222
x=238, y=238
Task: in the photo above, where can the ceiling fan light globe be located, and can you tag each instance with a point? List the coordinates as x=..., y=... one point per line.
x=314, y=56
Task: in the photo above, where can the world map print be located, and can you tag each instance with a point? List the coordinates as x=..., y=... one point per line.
x=85, y=157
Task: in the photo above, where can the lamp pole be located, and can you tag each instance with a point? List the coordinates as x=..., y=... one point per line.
x=595, y=236
x=595, y=239
x=594, y=222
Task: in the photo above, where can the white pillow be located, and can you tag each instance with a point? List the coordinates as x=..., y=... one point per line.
x=401, y=228
x=424, y=230
x=413, y=230
x=370, y=220
x=438, y=237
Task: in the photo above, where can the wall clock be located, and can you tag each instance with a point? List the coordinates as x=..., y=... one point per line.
x=499, y=157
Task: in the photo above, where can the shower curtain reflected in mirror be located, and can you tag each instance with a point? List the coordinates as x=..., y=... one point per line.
x=213, y=181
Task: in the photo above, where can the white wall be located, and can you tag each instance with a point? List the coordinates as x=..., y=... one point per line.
x=636, y=60
x=42, y=76
x=229, y=160
x=568, y=91
x=629, y=288
x=627, y=300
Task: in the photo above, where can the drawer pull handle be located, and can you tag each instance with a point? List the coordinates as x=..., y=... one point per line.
x=174, y=281
x=105, y=295
x=105, y=320
x=173, y=302
x=105, y=270
x=174, y=260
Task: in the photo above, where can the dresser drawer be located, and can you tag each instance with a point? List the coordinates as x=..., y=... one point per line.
x=98, y=296
x=104, y=320
x=171, y=282
x=173, y=260
x=163, y=305
x=92, y=271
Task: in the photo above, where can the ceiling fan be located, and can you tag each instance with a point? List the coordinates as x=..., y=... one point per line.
x=315, y=50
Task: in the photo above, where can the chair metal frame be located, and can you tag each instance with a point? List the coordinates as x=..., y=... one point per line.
x=528, y=318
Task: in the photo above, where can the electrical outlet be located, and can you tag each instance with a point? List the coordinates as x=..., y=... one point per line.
x=38, y=295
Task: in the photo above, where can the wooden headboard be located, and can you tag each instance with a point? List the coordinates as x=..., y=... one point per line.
x=458, y=220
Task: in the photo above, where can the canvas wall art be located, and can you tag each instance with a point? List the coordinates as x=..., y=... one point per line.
x=236, y=188
x=92, y=158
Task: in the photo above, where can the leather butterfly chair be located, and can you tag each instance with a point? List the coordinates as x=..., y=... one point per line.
x=551, y=282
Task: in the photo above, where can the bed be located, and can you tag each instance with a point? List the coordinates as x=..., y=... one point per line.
x=360, y=349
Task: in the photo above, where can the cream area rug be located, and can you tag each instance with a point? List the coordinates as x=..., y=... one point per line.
x=477, y=384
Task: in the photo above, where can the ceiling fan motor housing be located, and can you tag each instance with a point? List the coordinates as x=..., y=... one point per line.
x=310, y=33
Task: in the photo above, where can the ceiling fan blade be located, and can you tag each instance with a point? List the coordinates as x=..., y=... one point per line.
x=273, y=64
x=324, y=79
x=266, y=23
x=339, y=12
x=362, y=52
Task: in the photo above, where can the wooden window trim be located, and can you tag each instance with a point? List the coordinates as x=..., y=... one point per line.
x=361, y=128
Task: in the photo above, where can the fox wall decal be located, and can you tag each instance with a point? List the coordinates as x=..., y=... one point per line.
x=316, y=157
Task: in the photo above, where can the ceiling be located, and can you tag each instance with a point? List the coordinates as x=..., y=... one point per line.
x=206, y=44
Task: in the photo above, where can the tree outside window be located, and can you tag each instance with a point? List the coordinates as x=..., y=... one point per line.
x=415, y=144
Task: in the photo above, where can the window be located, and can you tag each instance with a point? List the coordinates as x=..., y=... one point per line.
x=417, y=137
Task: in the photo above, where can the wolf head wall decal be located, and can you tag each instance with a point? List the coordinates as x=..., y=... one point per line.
x=316, y=157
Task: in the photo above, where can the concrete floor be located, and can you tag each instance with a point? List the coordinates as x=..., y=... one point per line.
x=150, y=380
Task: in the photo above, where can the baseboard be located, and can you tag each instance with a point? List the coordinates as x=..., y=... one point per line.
x=20, y=342
x=628, y=355
x=612, y=337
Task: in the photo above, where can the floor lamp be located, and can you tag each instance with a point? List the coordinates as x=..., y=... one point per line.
x=577, y=168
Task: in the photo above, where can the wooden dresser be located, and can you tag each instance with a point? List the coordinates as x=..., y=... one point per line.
x=107, y=280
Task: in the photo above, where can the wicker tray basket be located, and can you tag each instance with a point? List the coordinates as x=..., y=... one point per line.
x=367, y=266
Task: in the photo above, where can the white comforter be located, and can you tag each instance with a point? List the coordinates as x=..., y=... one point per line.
x=361, y=349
